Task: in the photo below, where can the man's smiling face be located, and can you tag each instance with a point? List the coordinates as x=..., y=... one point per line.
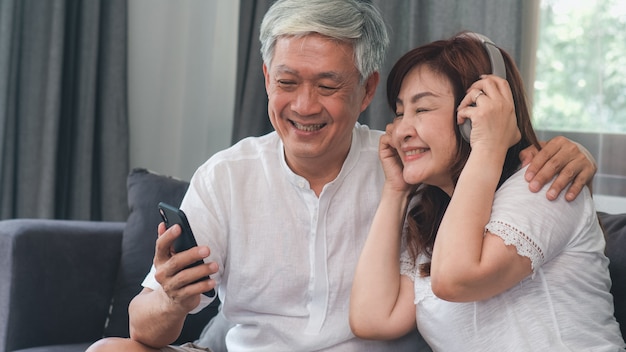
x=315, y=97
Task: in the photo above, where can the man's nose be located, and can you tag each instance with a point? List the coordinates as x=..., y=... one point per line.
x=306, y=101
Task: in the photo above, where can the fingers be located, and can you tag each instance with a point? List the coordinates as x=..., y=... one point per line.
x=526, y=156
x=172, y=269
x=387, y=153
x=390, y=131
x=165, y=252
x=165, y=242
x=576, y=187
x=188, y=281
x=389, y=128
x=488, y=85
x=564, y=159
x=489, y=104
x=561, y=181
x=545, y=164
x=577, y=173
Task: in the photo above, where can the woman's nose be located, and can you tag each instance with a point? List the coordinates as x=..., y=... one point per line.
x=403, y=130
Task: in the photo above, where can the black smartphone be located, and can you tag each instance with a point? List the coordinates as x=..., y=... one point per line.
x=171, y=215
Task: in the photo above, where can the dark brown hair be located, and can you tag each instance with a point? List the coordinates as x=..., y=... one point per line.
x=461, y=60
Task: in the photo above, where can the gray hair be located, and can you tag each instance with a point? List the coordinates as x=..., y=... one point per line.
x=353, y=21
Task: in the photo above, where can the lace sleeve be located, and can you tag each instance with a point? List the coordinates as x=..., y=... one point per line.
x=407, y=266
x=525, y=246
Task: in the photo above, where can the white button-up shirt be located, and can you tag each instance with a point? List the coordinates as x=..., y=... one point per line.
x=286, y=257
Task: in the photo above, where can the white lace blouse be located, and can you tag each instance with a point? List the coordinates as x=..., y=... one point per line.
x=565, y=305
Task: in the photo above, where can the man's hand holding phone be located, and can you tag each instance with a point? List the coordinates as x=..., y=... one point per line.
x=179, y=264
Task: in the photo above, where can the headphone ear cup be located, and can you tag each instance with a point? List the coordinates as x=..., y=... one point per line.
x=497, y=68
x=466, y=129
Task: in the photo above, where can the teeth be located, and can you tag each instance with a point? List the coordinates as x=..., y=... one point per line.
x=308, y=128
x=416, y=151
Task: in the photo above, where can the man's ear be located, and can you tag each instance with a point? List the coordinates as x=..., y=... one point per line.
x=266, y=74
x=370, y=89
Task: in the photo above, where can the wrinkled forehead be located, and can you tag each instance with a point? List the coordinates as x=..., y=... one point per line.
x=311, y=40
x=315, y=52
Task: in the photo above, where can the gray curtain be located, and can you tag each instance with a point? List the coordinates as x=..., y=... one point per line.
x=411, y=23
x=63, y=109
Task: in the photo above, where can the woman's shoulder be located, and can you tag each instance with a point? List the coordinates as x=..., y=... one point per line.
x=549, y=225
x=516, y=189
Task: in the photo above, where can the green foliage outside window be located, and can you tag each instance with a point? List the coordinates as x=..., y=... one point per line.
x=580, y=82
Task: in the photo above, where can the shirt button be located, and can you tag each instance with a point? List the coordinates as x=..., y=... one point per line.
x=301, y=184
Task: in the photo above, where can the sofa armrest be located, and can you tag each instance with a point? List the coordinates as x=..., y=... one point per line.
x=57, y=280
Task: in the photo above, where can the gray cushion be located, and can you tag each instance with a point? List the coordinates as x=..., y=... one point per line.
x=615, y=230
x=80, y=347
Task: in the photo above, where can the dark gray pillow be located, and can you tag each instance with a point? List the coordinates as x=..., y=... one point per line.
x=145, y=190
x=615, y=230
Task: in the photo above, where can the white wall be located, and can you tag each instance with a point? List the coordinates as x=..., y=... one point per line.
x=182, y=69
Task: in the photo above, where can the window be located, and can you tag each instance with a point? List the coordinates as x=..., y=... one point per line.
x=580, y=83
x=581, y=66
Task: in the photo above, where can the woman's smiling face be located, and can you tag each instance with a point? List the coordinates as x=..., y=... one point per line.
x=424, y=128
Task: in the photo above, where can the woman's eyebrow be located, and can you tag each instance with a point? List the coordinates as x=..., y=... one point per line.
x=417, y=97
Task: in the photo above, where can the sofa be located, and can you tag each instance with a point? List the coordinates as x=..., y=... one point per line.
x=67, y=283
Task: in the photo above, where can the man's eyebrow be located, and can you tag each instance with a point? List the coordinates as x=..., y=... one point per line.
x=285, y=69
x=335, y=76
x=331, y=75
